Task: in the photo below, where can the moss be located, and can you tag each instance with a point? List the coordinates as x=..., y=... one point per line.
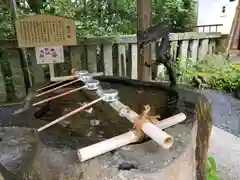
x=8, y=78
x=203, y=114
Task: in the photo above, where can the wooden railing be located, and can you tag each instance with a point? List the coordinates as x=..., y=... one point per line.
x=111, y=55
x=118, y=55
x=208, y=27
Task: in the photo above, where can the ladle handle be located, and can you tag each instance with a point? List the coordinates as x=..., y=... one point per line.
x=69, y=114
x=59, y=87
x=58, y=96
x=50, y=85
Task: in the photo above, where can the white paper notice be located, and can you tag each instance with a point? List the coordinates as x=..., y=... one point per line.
x=49, y=55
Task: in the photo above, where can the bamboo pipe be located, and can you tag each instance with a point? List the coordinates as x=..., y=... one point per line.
x=69, y=114
x=59, y=87
x=48, y=86
x=159, y=136
x=59, y=95
x=108, y=145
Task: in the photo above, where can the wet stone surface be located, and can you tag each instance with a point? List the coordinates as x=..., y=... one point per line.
x=18, y=149
x=60, y=142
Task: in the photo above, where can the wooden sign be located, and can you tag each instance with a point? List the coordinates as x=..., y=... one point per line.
x=45, y=30
x=49, y=54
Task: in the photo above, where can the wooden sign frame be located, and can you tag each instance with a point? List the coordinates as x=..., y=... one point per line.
x=45, y=30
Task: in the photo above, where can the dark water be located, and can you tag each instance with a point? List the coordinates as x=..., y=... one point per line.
x=99, y=123
x=102, y=122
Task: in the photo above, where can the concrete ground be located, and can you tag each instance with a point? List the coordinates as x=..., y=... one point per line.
x=225, y=148
x=225, y=138
x=225, y=111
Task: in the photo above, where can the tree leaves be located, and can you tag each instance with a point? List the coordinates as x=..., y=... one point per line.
x=103, y=17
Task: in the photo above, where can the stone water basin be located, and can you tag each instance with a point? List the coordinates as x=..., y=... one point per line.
x=56, y=157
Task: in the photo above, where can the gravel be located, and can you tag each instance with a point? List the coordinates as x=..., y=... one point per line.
x=225, y=111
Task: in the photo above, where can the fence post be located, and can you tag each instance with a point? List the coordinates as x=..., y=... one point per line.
x=134, y=55
x=92, y=58
x=122, y=60
x=203, y=49
x=107, y=59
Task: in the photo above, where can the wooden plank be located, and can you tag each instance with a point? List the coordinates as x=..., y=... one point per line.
x=174, y=47
x=37, y=72
x=161, y=72
x=126, y=39
x=184, y=52
x=211, y=46
x=51, y=71
x=134, y=74
x=108, y=60
x=92, y=58
x=194, y=35
x=75, y=57
x=122, y=60
x=194, y=48
x=153, y=51
x=203, y=49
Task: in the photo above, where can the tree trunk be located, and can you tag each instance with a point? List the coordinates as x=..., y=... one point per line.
x=144, y=10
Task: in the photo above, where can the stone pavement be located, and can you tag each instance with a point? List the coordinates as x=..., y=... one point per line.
x=225, y=148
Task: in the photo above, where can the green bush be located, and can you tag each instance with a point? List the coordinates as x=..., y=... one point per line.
x=215, y=72
x=211, y=169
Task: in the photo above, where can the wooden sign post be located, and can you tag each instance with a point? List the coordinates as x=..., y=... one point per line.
x=233, y=42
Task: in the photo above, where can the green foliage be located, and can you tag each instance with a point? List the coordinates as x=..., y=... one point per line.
x=6, y=28
x=211, y=169
x=104, y=17
x=216, y=73
x=7, y=78
x=181, y=13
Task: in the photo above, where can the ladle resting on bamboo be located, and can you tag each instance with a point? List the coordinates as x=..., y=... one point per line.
x=62, y=94
x=69, y=83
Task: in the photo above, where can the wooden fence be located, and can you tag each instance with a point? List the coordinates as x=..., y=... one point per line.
x=112, y=55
